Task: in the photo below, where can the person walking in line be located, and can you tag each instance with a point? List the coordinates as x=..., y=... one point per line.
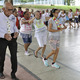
x=79, y=18
x=63, y=17
x=76, y=18
x=15, y=13
x=8, y=37
x=47, y=16
x=20, y=13
x=43, y=16
x=26, y=31
x=54, y=38
x=40, y=33
x=32, y=13
x=70, y=15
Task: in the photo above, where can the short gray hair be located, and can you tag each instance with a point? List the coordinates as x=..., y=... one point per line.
x=4, y=5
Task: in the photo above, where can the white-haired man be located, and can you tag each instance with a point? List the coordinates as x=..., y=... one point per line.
x=8, y=36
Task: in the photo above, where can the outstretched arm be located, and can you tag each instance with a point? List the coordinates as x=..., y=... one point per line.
x=31, y=21
x=52, y=30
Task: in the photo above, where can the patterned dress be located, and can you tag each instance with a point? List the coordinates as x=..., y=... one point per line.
x=54, y=37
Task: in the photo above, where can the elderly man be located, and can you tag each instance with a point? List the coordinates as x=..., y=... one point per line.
x=8, y=36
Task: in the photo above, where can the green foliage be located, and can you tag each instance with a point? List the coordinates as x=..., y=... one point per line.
x=0, y=6
x=68, y=2
x=50, y=7
x=23, y=0
x=27, y=0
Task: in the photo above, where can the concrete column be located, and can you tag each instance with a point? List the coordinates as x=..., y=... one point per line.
x=56, y=2
x=44, y=1
x=48, y=1
x=40, y=1
x=34, y=1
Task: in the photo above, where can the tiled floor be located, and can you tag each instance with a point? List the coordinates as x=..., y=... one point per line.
x=68, y=58
x=22, y=74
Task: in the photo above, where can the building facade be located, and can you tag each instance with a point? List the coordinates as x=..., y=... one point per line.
x=75, y=2
x=49, y=2
x=38, y=2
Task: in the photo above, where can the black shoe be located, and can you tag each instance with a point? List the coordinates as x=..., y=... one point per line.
x=15, y=78
x=2, y=76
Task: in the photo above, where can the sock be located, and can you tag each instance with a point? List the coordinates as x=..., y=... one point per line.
x=53, y=62
x=45, y=59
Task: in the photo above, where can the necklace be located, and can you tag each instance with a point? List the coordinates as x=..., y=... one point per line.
x=8, y=26
x=57, y=23
x=39, y=23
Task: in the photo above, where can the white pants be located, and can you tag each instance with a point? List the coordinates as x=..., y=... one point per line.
x=42, y=40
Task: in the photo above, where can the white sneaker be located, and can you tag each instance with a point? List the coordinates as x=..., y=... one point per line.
x=45, y=62
x=55, y=66
x=26, y=53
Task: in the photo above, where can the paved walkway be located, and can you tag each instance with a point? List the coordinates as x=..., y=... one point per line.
x=22, y=73
x=68, y=59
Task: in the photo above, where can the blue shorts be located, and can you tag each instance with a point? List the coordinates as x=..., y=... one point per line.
x=27, y=40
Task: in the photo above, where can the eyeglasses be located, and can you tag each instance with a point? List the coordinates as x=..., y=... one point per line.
x=10, y=9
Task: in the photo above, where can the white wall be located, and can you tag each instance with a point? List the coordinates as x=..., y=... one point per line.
x=1, y=3
x=53, y=2
x=77, y=2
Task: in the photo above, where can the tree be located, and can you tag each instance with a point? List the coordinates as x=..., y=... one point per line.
x=11, y=1
x=68, y=2
x=23, y=0
x=65, y=1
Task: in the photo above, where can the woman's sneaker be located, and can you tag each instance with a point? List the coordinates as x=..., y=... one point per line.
x=26, y=53
x=55, y=66
x=45, y=62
